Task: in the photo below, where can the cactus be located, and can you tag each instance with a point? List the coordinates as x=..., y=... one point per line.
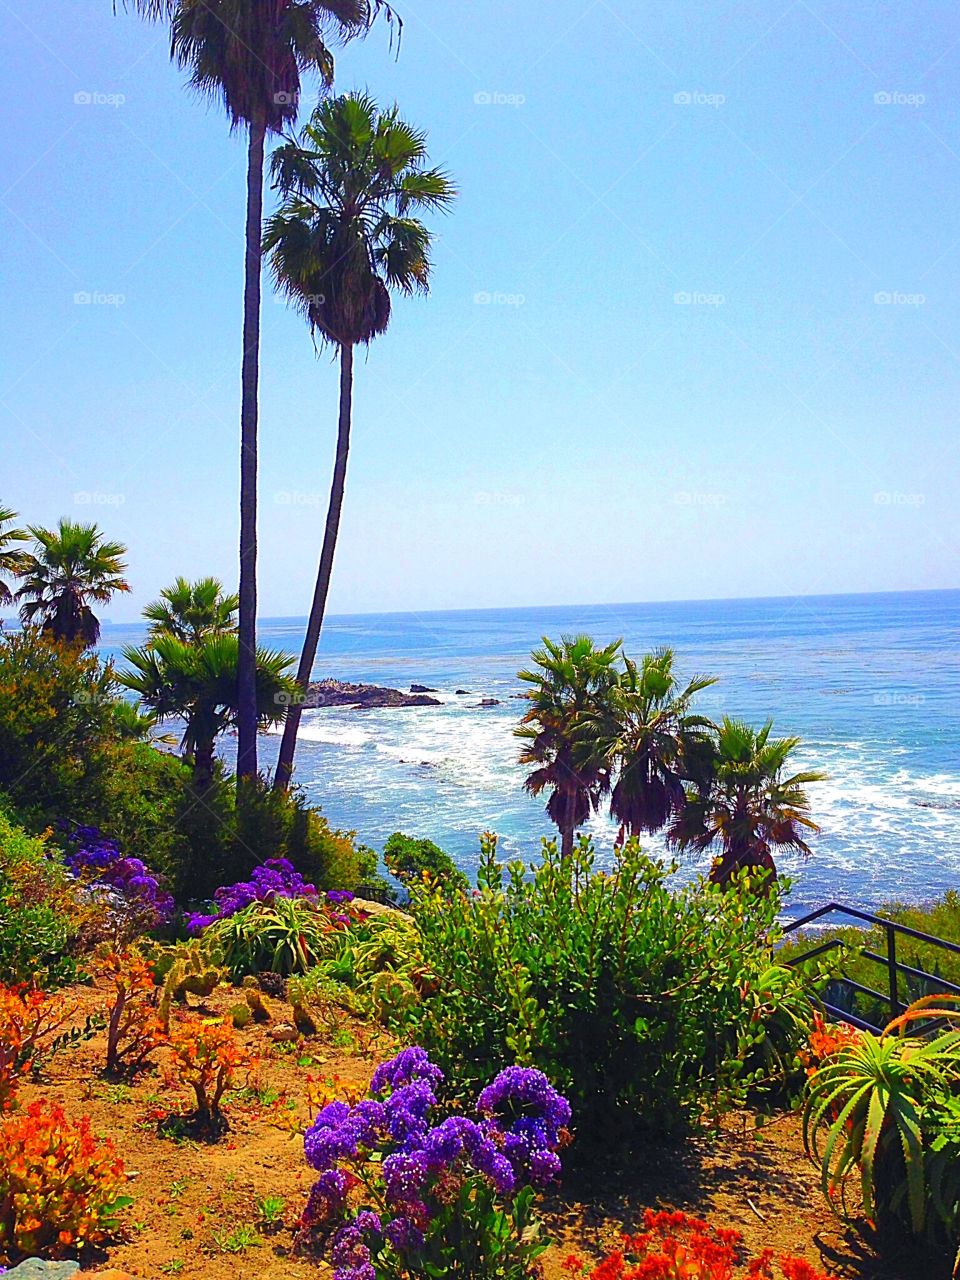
x=190, y=972
x=255, y=1002
x=240, y=1015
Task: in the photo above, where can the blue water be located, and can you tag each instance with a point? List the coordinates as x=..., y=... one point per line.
x=871, y=683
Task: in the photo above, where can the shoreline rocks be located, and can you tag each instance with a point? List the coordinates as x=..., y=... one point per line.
x=340, y=693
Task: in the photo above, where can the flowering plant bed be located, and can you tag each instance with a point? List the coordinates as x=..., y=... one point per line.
x=433, y=1200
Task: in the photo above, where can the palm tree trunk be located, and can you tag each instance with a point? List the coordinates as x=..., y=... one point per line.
x=288, y=744
x=203, y=765
x=249, y=379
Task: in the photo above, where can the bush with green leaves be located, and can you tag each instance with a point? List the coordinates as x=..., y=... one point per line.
x=645, y=1004
x=409, y=860
x=882, y=1117
x=39, y=911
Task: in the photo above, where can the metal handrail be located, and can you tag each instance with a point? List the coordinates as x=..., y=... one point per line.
x=893, y=967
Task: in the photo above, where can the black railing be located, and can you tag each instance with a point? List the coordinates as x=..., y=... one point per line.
x=892, y=967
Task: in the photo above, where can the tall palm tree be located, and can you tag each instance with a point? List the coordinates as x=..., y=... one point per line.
x=191, y=610
x=71, y=567
x=251, y=56
x=12, y=559
x=750, y=806
x=345, y=236
x=198, y=683
x=654, y=741
x=570, y=688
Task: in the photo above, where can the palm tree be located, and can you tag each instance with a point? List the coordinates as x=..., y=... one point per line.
x=71, y=567
x=345, y=236
x=750, y=806
x=654, y=741
x=198, y=683
x=191, y=610
x=569, y=695
x=12, y=561
x=251, y=55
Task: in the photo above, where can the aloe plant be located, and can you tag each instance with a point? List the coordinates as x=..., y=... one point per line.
x=883, y=1113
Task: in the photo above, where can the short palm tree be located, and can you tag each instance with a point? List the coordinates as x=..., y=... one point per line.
x=570, y=689
x=750, y=805
x=198, y=683
x=12, y=559
x=654, y=741
x=344, y=236
x=71, y=567
x=190, y=610
x=251, y=56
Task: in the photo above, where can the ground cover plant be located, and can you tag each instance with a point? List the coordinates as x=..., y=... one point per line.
x=677, y=1246
x=645, y=1004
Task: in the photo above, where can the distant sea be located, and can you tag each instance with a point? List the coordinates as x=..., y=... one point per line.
x=871, y=683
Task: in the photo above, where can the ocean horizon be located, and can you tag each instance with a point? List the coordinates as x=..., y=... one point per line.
x=869, y=682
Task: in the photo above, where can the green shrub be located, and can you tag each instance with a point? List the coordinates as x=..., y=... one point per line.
x=409, y=860
x=39, y=911
x=644, y=1005
x=55, y=707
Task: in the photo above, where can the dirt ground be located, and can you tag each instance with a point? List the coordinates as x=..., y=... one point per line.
x=196, y=1204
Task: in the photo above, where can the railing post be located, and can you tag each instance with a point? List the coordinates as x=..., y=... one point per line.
x=892, y=970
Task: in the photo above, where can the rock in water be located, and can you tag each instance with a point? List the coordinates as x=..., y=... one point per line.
x=421, y=688
x=39, y=1269
x=339, y=693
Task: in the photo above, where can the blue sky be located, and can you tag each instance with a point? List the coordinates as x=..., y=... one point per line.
x=694, y=328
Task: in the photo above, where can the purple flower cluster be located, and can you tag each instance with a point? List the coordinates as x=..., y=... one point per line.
x=93, y=857
x=276, y=878
x=513, y=1143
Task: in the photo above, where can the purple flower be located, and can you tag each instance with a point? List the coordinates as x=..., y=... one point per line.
x=405, y=1175
x=523, y=1101
x=403, y=1234
x=327, y=1196
x=368, y=1222
x=409, y=1065
x=276, y=878
x=100, y=860
x=338, y=896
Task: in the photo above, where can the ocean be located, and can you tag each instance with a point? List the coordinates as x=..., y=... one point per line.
x=871, y=683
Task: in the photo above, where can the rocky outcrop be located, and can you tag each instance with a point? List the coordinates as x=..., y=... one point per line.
x=421, y=688
x=339, y=693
